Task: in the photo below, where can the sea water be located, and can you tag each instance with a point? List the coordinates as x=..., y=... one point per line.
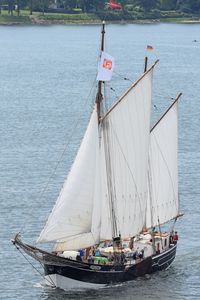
x=47, y=90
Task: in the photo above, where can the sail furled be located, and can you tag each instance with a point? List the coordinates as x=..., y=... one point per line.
x=72, y=213
x=125, y=147
x=163, y=204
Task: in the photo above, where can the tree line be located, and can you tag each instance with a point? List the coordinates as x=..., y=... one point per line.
x=186, y=6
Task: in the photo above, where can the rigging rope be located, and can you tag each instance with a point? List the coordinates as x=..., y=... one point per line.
x=63, y=152
x=49, y=280
x=122, y=76
x=114, y=92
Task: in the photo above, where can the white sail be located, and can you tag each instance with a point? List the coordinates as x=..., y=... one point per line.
x=84, y=240
x=163, y=203
x=126, y=145
x=72, y=213
x=87, y=239
x=82, y=214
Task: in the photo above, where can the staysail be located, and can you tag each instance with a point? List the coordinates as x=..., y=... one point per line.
x=163, y=204
x=72, y=213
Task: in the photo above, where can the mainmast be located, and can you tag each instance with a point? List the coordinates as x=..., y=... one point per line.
x=99, y=98
x=99, y=95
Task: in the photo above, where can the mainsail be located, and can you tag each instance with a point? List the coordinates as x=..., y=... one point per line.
x=125, y=145
x=163, y=204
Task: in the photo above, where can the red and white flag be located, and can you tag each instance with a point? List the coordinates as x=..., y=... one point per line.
x=114, y=4
x=105, y=68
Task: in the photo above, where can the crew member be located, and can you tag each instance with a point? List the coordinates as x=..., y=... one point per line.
x=175, y=238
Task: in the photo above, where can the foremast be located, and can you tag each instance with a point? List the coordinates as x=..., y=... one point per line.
x=99, y=96
x=99, y=99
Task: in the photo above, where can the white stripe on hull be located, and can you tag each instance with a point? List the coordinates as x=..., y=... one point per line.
x=66, y=283
x=158, y=258
x=164, y=253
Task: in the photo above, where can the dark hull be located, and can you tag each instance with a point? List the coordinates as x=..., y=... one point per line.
x=164, y=260
x=59, y=269
x=100, y=274
x=103, y=275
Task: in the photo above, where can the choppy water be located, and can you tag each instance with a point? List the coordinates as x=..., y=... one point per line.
x=46, y=75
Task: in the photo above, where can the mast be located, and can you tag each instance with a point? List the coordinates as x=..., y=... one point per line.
x=145, y=63
x=99, y=98
x=99, y=95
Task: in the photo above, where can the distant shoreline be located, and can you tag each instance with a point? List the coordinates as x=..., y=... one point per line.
x=142, y=22
x=54, y=19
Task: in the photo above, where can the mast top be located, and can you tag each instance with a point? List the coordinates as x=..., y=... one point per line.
x=99, y=95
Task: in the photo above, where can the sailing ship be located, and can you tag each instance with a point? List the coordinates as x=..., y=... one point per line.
x=107, y=223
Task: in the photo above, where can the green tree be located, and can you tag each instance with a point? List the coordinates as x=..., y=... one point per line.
x=147, y=5
x=10, y=7
x=44, y=5
x=194, y=5
x=168, y=4
x=18, y=2
x=31, y=7
x=189, y=5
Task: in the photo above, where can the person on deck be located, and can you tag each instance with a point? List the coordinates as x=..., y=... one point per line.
x=175, y=238
x=141, y=254
x=110, y=257
x=81, y=253
x=131, y=243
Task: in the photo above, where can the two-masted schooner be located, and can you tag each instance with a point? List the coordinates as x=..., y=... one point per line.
x=122, y=187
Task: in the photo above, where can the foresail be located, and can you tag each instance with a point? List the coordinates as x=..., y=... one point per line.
x=125, y=147
x=163, y=204
x=72, y=213
x=92, y=237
